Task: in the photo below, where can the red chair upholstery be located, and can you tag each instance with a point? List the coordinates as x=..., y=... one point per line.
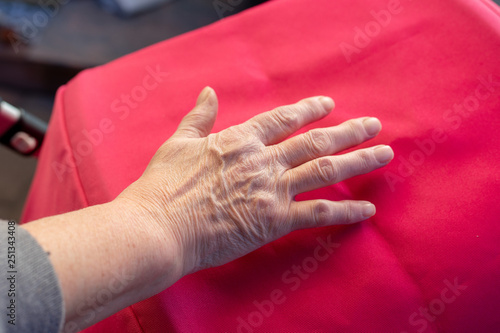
x=428, y=261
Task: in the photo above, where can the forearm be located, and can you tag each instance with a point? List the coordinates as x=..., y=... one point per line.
x=106, y=257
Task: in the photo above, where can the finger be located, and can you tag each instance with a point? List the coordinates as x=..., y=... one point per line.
x=326, y=141
x=199, y=122
x=318, y=213
x=274, y=126
x=330, y=170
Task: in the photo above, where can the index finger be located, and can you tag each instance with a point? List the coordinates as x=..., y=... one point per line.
x=273, y=126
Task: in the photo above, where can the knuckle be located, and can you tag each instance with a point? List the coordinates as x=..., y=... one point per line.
x=195, y=116
x=287, y=117
x=326, y=170
x=312, y=104
x=319, y=141
x=257, y=127
x=232, y=146
x=364, y=159
x=350, y=211
x=322, y=213
x=290, y=183
x=356, y=131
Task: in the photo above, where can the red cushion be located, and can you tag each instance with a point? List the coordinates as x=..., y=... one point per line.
x=429, y=70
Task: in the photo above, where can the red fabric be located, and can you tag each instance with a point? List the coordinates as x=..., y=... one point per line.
x=428, y=261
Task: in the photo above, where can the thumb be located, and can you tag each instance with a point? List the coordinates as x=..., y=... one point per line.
x=199, y=122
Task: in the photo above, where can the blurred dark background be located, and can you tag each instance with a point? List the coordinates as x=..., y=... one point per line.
x=44, y=43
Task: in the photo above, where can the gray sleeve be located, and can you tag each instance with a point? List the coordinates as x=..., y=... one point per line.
x=30, y=294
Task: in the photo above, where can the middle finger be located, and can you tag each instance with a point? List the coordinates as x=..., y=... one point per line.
x=326, y=141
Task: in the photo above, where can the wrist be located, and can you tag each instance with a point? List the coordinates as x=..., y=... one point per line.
x=154, y=250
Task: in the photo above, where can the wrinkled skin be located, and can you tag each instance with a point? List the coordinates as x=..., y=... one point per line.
x=216, y=197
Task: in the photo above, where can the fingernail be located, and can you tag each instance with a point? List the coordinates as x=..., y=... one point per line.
x=327, y=103
x=205, y=93
x=368, y=210
x=383, y=154
x=372, y=126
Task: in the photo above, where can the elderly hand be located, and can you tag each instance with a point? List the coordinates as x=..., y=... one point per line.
x=204, y=200
x=216, y=197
